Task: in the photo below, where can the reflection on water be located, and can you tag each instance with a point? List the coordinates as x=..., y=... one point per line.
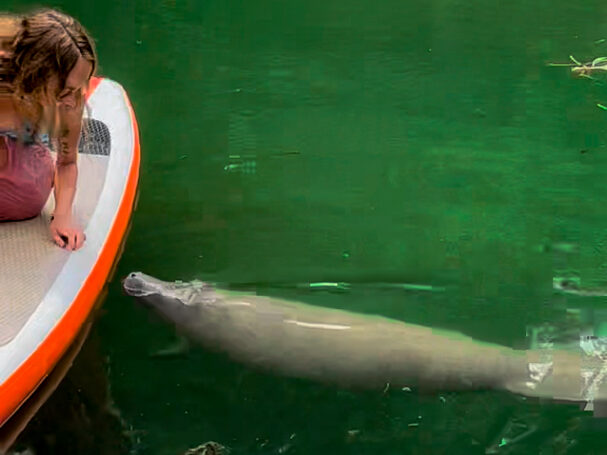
x=80, y=417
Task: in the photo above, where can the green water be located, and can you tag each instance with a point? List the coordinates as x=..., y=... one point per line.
x=412, y=142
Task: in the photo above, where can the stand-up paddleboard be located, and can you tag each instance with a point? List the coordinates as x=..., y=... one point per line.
x=47, y=294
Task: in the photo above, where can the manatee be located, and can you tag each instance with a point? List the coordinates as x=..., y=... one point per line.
x=361, y=351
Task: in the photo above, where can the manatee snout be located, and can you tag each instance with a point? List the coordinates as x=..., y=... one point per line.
x=138, y=284
x=176, y=302
x=133, y=285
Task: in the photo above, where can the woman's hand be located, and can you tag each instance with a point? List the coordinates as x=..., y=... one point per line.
x=65, y=233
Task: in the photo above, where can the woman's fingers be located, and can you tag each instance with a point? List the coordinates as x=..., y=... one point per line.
x=79, y=240
x=72, y=240
x=58, y=239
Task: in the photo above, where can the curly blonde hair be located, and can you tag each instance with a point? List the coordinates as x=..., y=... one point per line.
x=8, y=29
x=44, y=44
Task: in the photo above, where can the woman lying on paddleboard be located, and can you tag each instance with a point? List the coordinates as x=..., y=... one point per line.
x=46, y=61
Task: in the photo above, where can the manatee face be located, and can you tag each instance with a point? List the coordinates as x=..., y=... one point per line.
x=139, y=284
x=178, y=302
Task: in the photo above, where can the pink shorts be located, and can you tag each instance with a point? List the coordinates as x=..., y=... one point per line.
x=27, y=179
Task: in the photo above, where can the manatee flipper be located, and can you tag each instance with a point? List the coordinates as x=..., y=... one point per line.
x=179, y=347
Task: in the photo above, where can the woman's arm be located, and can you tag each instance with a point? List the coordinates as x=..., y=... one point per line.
x=65, y=233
